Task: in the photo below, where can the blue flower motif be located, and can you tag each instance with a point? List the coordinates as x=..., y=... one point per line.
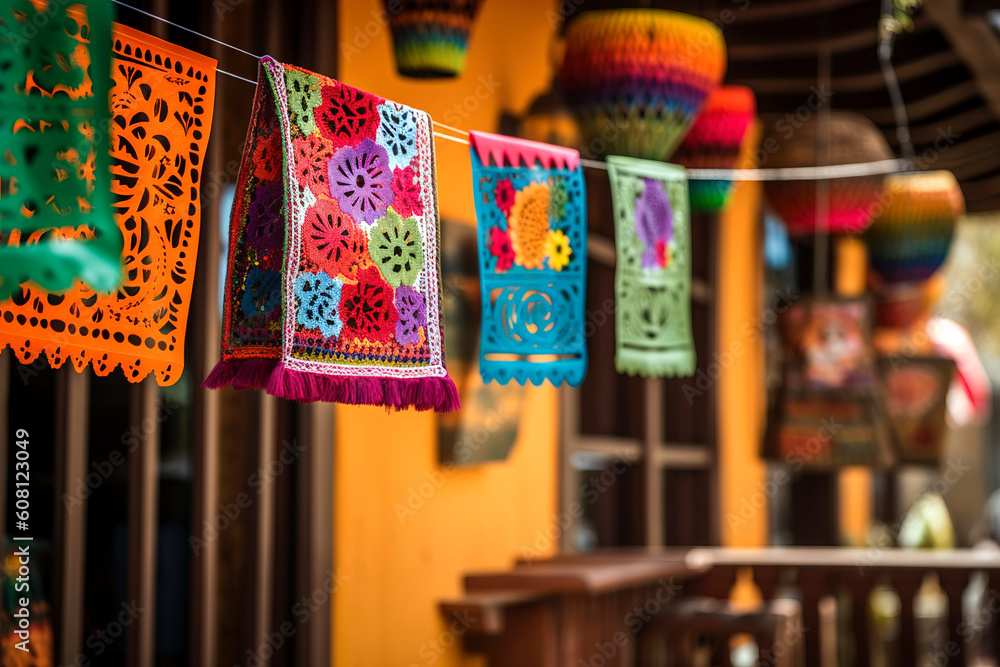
x=319, y=299
x=397, y=133
x=262, y=293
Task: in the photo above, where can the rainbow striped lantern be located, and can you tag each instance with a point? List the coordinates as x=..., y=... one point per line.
x=431, y=37
x=714, y=143
x=636, y=78
x=851, y=201
x=910, y=237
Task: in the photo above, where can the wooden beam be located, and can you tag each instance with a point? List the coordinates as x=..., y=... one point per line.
x=856, y=83
x=930, y=132
x=925, y=107
x=143, y=521
x=652, y=439
x=71, y=447
x=858, y=39
x=316, y=566
x=262, y=544
x=206, y=333
x=975, y=42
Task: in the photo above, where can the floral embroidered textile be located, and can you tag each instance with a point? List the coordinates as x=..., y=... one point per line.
x=162, y=98
x=531, y=211
x=653, y=269
x=56, y=217
x=355, y=314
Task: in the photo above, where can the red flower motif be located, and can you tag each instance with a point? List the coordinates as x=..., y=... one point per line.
x=501, y=249
x=504, y=194
x=312, y=155
x=346, y=115
x=267, y=158
x=333, y=241
x=407, y=193
x=367, y=309
x=662, y=254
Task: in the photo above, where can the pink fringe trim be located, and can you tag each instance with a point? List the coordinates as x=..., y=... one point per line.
x=242, y=374
x=436, y=393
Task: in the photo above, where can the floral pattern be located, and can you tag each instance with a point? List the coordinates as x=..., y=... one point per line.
x=367, y=305
x=653, y=224
x=266, y=160
x=304, y=95
x=504, y=194
x=334, y=242
x=265, y=222
x=529, y=225
x=412, y=315
x=397, y=131
x=262, y=294
x=501, y=249
x=319, y=297
x=360, y=180
x=312, y=159
x=346, y=115
x=396, y=250
x=557, y=249
x=406, y=192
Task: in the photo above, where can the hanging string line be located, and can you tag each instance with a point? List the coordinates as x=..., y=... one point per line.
x=193, y=32
x=783, y=174
x=235, y=76
x=439, y=135
x=833, y=171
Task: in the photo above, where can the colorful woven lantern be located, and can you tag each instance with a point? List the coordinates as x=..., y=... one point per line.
x=431, y=37
x=714, y=143
x=910, y=237
x=636, y=78
x=852, y=201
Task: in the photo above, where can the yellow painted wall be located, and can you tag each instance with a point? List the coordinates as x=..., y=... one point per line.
x=393, y=572
x=385, y=611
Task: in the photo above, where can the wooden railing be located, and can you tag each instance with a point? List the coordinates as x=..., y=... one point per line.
x=848, y=576
x=637, y=607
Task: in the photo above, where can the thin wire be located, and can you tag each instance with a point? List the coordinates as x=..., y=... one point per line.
x=449, y=138
x=235, y=76
x=789, y=173
x=193, y=32
x=453, y=129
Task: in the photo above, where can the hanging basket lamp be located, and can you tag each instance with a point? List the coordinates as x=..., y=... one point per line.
x=714, y=143
x=851, y=201
x=910, y=237
x=431, y=37
x=636, y=78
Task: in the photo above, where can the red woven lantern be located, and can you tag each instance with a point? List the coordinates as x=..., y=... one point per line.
x=852, y=201
x=714, y=143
